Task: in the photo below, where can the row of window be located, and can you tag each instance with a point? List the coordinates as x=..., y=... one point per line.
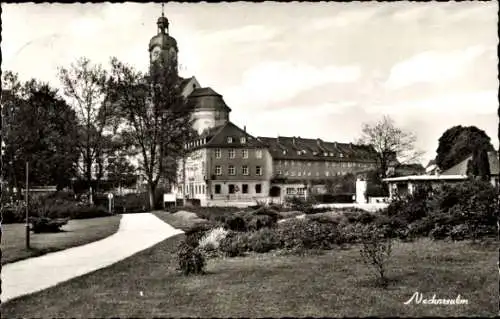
x=196, y=189
x=233, y=188
x=232, y=153
x=231, y=170
x=303, y=152
x=230, y=140
x=295, y=191
x=292, y=173
x=327, y=164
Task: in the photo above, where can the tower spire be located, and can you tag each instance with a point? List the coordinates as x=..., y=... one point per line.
x=162, y=21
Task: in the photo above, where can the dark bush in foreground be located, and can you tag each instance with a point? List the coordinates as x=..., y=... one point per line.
x=47, y=225
x=14, y=212
x=131, y=203
x=236, y=223
x=305, y=234
x=196, y=232
x=263, y=240
x=235, y=244
x=191, y=260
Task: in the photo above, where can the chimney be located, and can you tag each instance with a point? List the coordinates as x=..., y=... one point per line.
x=293, y=140
x=245, y=128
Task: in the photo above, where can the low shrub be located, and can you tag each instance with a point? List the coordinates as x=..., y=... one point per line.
x=212, y=239
x=259, y=221
x=263, y=240
x=14, y=212
x=440, y=232
x=325, y=218
x=289, y=233
x=459, y=232
x=308, y=235
x=195, y=233
x=131, y=203
x=236, y=223
x=234, y=244
x=47, y=225
x=191, y=260
x=351, y=233
x=420, y=228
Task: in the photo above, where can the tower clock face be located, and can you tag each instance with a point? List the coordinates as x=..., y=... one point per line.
x=155, y=54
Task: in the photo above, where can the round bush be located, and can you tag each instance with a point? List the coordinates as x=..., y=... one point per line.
x=263, y=240
x=234, y=244
x=191, y=260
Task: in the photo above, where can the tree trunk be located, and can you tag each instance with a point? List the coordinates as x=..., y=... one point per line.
x=151, y=191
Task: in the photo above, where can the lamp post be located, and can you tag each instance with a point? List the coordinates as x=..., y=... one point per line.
x=27, y=208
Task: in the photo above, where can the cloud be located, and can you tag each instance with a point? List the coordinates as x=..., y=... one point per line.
x=432, y=67
x=479, y=102
x=249, y=33
x=275, y=81
x=345, y=18
x=85, y=27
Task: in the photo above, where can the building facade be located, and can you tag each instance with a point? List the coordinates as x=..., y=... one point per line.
x=225, y=163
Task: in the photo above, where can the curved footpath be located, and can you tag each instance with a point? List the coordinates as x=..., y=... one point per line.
x=136, y=233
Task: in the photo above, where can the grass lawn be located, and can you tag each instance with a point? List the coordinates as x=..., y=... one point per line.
x=332, y=284
x=77, y=232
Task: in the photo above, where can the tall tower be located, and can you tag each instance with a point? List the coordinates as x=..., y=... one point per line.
x=162, y=45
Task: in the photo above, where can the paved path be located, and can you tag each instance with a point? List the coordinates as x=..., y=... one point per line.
x=136, y=232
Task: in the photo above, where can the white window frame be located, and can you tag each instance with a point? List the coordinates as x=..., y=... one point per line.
x=244, y=170
x=218, y=170
x=232, y=153
x=229, y=139
x=243, y=140
x=244, y=153
x=218, y=153
x=231, y=171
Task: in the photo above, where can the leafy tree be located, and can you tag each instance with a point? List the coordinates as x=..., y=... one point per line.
x=121, y=171
x=85, y=86
x=390, y=142
x=155, y=115
x=459, y=142
x=40, y=129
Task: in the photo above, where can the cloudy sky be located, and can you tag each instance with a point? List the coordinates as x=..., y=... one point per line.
x=296, y=69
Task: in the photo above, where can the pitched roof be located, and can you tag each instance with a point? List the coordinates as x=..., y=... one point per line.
x=184, y=82
x=217, y=137
x=207, y=98
x=298, y=148
x=461, y=168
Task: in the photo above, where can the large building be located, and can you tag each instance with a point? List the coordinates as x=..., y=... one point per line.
x=226, y=163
